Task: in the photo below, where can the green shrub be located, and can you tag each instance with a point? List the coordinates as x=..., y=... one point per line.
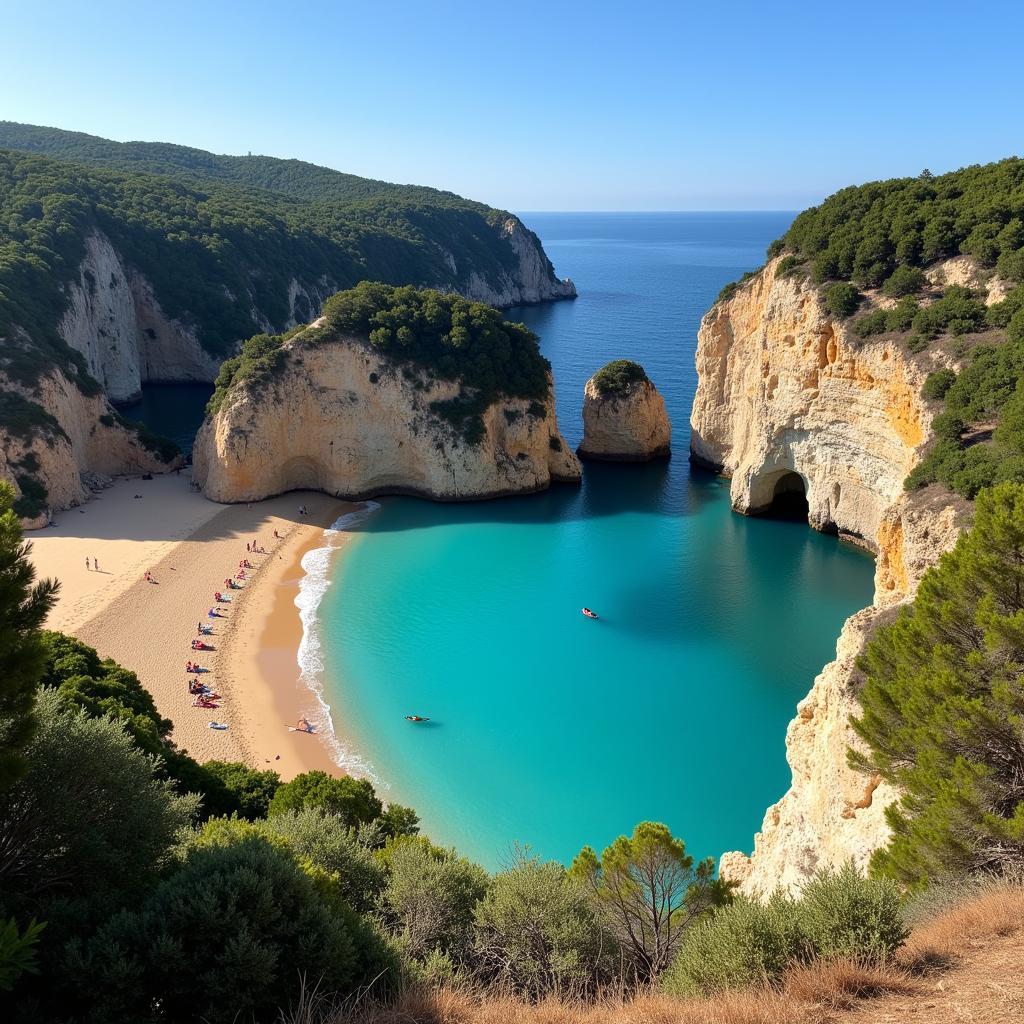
x=33, y=495
x=937, y=384
x=957, y=312
x=841, y=299
x=747, y=943
x=904, y=281
x=231, y=934
x=917, y=343
x=616, y=376
x=901, y=316
x=837, y=914
x=352, y=800
x=430, y=898
x=727, y=292
x=775, y=248
x=844, y=914
x=536, y=932
x=875, y=322
x=787, y=266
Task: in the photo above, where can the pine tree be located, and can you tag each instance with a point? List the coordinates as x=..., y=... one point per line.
x=943, y=706
x=24, y=605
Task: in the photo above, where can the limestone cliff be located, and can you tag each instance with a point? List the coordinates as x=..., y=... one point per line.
x=789, y=399
x=115, y=321
x=627, y=426
x=342, y=418
x=79, y=440
x=531, y=278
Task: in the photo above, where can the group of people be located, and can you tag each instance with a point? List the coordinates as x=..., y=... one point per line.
x=202, y=694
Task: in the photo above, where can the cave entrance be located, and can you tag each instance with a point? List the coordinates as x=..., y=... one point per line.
x=789, y=499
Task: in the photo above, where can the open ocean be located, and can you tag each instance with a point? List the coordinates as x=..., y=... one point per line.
x=548, y=729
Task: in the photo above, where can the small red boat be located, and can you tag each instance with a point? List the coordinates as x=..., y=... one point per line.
x=589, y=614
x=416, y=718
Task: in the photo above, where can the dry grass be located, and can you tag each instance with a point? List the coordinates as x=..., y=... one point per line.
x=809, y=995
x=997, y=910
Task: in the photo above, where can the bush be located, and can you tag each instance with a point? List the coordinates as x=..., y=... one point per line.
x=536, y=932
x=846, y=915
x=231, y=934
x=838, y=914
x=747, y=943
x=775, y=248
x=904, y=281
x=431, y=897
x=937, y=384
x=351, y=800
x=875, y=322
x=788, y=265
x=616, y=376
x=842, y=299
x=242, y=790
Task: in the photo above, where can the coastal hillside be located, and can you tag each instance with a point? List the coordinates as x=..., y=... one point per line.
x=392, y=390
x=125, y=263
x=867, y=376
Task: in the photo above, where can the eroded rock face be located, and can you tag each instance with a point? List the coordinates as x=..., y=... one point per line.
x=787, y=396
x=341, y=418
x=628, y=427
x=115, y=321
x=89, y=441
x=530, y=281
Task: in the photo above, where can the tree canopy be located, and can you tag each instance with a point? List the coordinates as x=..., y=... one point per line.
x=943, y=706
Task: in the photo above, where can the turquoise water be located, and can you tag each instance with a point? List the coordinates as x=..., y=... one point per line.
x=547, y=728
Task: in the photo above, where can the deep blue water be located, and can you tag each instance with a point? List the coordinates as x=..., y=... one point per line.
x=547, y=728
x=173, y=410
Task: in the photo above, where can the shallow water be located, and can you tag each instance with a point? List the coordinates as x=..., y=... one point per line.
x=547, y=728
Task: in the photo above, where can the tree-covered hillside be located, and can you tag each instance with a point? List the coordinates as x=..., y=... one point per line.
x=295, y=178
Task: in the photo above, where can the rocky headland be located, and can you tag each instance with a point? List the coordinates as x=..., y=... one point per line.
x=341, y=415
x=791, y=402
x=624, y=416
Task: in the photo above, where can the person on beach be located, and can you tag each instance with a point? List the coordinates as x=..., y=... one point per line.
x=303, y=724
x=247, y=547
x=96, y=564
x=86, y=563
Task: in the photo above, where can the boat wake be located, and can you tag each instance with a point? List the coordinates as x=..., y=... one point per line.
x=316, y=565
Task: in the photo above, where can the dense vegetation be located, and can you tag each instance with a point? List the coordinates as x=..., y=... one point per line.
x=442, y=334
x=943, y=706
x=615, y=377
x=870, y=234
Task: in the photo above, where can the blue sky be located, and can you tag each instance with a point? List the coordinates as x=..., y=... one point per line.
x=540, y=106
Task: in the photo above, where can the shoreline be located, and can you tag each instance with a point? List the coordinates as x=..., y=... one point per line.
x=190, y=545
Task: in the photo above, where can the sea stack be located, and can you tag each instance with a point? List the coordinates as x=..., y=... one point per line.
x=624, y=416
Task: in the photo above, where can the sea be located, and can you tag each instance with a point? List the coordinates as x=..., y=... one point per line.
x=549, y=731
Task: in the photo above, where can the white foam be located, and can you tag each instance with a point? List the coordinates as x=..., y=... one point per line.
x=317, y=565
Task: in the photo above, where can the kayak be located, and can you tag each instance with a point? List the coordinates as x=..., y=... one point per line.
x=416, y=718
x=589, y=614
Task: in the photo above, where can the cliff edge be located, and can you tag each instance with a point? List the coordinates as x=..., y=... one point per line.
x=790, y=402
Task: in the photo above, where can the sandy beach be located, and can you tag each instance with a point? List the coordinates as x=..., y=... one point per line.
x=190, y=546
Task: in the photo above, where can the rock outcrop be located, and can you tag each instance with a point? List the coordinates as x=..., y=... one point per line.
x=627, y=425
x=115, y=321
x=342, y=418
x=82, y=440
x=789, y=400
x=532, y=279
